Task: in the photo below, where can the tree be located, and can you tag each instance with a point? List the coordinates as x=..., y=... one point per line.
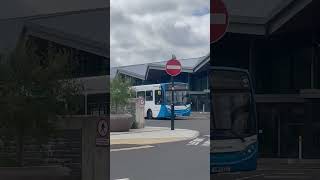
x=35, y=87
x=120, y=92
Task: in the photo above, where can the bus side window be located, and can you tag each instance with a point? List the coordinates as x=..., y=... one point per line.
x=149, y=95
x=141, y=94
x=158, y=97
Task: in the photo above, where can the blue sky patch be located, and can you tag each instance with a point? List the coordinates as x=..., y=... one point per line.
x=202, y=11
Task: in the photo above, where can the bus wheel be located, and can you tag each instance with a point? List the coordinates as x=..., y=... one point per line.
x=149, y=114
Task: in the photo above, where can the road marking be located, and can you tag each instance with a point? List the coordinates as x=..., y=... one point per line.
x=196, y=141
x=131, y=148
x=207, y=143
x=286, y=177
x=289, y=173
x=250, y=177
x=123, y=179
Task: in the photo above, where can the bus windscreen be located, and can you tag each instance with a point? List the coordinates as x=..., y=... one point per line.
x=231, y=107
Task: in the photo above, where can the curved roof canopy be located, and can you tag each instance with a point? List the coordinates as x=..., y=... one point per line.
x=141, y=71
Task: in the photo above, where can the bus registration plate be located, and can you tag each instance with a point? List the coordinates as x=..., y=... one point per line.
x=220, y=169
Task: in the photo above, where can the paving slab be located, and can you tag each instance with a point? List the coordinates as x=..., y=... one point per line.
x=152, y=135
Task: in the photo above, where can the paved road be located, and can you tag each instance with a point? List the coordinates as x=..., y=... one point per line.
x=185, y=160
x=274, y=173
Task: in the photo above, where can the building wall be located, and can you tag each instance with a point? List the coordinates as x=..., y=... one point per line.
x=198, y=83
x=84, y=65
x=280, y=67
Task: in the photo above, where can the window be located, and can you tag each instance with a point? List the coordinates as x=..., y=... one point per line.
x=158, y=97
x=141, y=94
x=149, y=95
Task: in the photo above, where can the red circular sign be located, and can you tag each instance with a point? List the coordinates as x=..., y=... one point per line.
x=173, y=67
x=219, y=20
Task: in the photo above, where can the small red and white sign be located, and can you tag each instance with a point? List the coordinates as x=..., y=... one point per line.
x=173, y=67
x=141, y=100
x=219, y=20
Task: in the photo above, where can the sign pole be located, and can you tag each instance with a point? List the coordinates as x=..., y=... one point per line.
x=172, y=104
x=173, y=68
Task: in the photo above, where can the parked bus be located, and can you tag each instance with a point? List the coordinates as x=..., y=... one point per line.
x=233, y=135
x=158, y=99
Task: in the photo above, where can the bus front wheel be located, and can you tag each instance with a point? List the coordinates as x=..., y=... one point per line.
x=149, y=114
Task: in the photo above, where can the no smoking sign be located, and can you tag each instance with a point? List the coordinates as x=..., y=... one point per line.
x=102, y=128
x=102, y=138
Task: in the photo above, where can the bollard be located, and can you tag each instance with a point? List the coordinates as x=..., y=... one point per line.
x=203, y=107
x=300, y=147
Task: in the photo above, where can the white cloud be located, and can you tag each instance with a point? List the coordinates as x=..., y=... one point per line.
x=144, y=31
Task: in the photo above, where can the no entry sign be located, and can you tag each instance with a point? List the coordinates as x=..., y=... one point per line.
x=173, y=67
x=219, y=20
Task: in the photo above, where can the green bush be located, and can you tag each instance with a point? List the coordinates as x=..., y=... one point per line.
x=120, y=93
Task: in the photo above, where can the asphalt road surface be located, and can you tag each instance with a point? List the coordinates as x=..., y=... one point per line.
x=275, y=174
x=184, y=160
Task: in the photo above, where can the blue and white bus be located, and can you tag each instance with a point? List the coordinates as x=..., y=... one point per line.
x=158, y=99
x=233, y=136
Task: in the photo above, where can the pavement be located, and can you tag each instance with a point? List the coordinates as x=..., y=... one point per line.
x=152, y=135
x=175, y=160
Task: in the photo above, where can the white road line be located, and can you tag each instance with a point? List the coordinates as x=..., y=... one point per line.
x=196, y=141
x=131, y=148
x=286, y=177
x=288, y=173
x=250, y=177
x=207, y=143
x=123, y=179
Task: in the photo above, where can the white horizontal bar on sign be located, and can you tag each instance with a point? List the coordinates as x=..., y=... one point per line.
x=218, y=18
x=173, y=67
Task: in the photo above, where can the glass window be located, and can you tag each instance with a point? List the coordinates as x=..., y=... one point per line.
x=141, y=94
x=149, y=95
x=180, y=97
x=158, y=97
x=231, y=103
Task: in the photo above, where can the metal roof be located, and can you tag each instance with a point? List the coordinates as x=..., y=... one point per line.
x=82, y=29
x=92, y=25
x=261, y=17
x=141, y=71
x=264, y=9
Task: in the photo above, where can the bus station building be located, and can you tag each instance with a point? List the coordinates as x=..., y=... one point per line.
x=194, y=72
x=279, y=43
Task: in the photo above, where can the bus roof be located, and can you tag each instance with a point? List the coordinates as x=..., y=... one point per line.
x=152, y=86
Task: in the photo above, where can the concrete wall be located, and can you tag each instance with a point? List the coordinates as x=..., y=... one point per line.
x=95, y=160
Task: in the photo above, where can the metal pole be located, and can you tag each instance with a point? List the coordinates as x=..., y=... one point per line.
x=172, y=104
x=300, y=147
x=279, y=136
x=85, y=103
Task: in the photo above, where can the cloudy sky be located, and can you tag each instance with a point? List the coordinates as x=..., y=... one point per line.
x=145, y=31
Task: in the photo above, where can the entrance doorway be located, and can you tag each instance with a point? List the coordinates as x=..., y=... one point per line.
x=280, y=125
